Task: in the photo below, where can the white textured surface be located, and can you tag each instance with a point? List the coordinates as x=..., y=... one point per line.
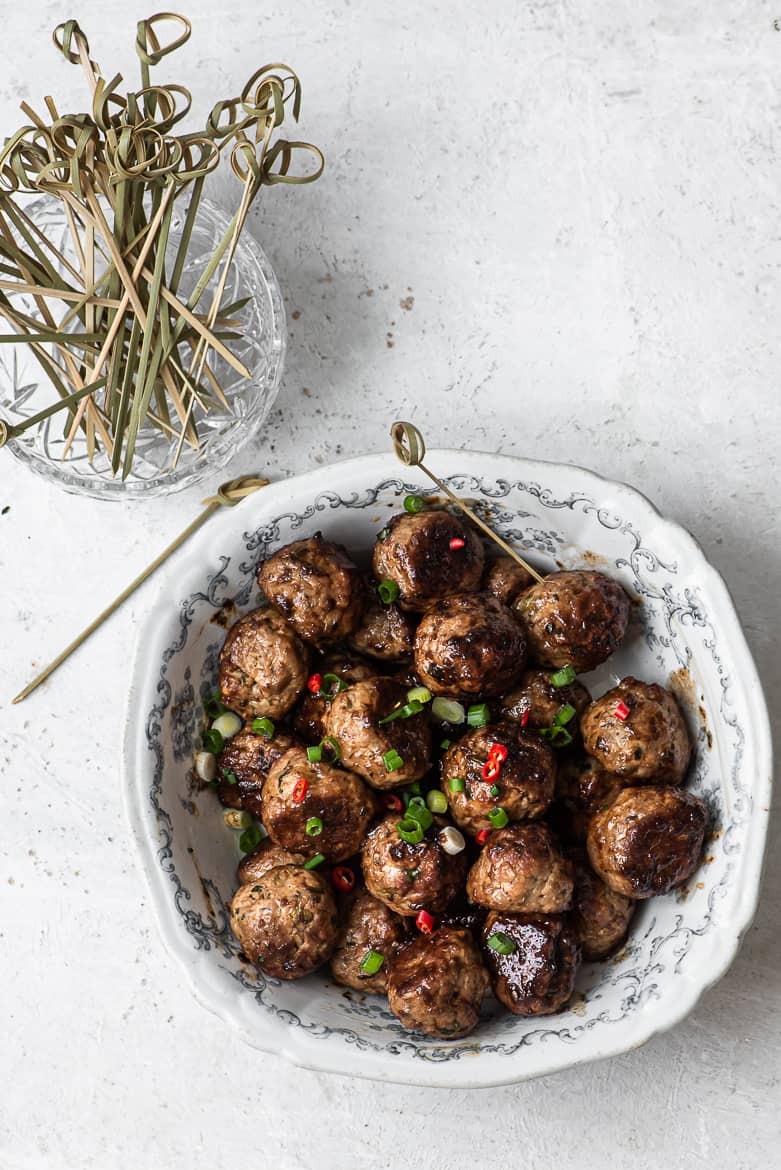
x=582, y=201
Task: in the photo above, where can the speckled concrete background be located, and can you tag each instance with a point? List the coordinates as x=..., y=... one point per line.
x=546, y=228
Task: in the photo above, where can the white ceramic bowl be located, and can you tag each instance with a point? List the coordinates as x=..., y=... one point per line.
x=685, y=634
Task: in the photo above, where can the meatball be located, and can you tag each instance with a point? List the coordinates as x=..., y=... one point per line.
x=263, y=666
x=414, y=551
x=469, y=645
x=316, y=586
x=437, y=983
x=309, y=715
x=525, y=782
x=535, y=702
x=243, y=765
x=600, y=916
x=647, y=840
x=537, y=978
x=265, y=857
x=582, y=788
x=367, y=925
x=575, y=618
x=409, y=878
x=650, y=745
x=297, y=791
x=286, y=921
x=505, y=578
x=385, y=632
x=354, y=721
x=521, y=869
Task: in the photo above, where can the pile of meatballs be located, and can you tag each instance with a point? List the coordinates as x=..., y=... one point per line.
x=447, y=810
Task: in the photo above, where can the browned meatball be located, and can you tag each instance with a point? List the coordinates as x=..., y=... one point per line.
x=437, y=983
x=243, y=765
x=650, y=745
x=521, y=869
x=525, y=782
x=575, y=618
x=286, y=921
x=296, y=791
x=316, y=586
x=265, y=857
x=538, y=977
x=582, y=788
x=354, y=722
x=385, y=632
x=600, y=916
x=535, y=702
x=263, y=666
x=367, y=925
x=469, y=645
x=414, y=551
x=309, y=715
x=505, y=578
x=647, y=840
x=409, y=878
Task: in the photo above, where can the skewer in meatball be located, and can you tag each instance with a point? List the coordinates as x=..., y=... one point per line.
x=575, y=618
x=285, y=921
x=600, y=916
x=535, y=701
x=521, y=869
x=243, y=765
x=366, y=744
x=533, y=972
x=469, y=645
x=263, y=666
x=637, y=731
x=429, y=556
x=316, y=587
x=411, y=877
x=437, y=983
x=368, y=929
x=504, y=578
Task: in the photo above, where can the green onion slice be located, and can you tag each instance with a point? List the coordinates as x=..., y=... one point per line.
x=418, y=810
x=314, y=754
x=564, y=715
x=448, y=710
x=332, y=745
x=331, y=685
x=392, y=760
x=314, y=827
x=556, y=736
x=445, y=744
x=478, y=715
x=388, y=591
x=410, y=831
x=457, y=784
x=371, y=962
x=413, y=708
x=502, y=943
x=212, y=706
x=563, y=677
x=419, y=695
x=498, y=818
x=250, y=838
x=229, y=775
x=213, y=741
x=494, y=790
x=264, y=727
x=437, y=801
x=313, y=862
x=413, y=504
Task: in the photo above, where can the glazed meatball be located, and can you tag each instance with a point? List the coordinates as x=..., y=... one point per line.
x=265, y=857
x=521, y=869
x=409, y=878
x=297, y=790
x=367, y=925
x=385, y=632
x=538, y=977
x=243, y=765
x=354, y=722
x=414, y=551
x=600, y=916
x=263, y=666
x=437, y=983
x=650, y=745
x=647, y=840
x=309, y=715
x=286, y=921
x=583, y=787
x=526, y=781
x=469, y=645
x=505, y=578
x=535, y=702
x=575, y=618
x=316, y=587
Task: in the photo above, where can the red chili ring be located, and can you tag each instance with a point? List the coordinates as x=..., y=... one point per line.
x=314, y=683
x=425, y=922
x=483, y=836
x=621, y=712
x=498, y=752
x=491, y=769
x=343, y=878
x=524, y=718
x=392, y=802
x=457, y=542
x=300, y=790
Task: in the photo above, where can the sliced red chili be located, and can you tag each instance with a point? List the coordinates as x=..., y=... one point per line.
x=457, y=542
x=483, y=836
x=343, y=878
x=314, y=683
x=524, y=718
x=498, y=752
x=491, y=769
x=621, y=712
x=425, y=922
x=393, y=802
x=300, y=789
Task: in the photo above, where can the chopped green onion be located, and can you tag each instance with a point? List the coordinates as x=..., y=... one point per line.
x=314, y=754
x=413, y=504
x=457, y=784
x=213, y=784
x=478, y=715
x=413, y=708
x=228, y=724
x=564, y=715
x=264, y=727
x=212, y=706
x=251, y=838
x=494, y=790
x=437, y=801
x=498, y=818
x=392, y=760
x=419, y=695
x=414, y=789
x=213, y=741
x=502, y=943
x=388, y=591
x=333, y=745
x=237, y=818
x=314, y=827
x=556, y=736
x=445, y=744
x=418, y=810
x=563, y=677
x=383, y=534
x=313, y=862
x=448, y=710
x=410, y=831
x=371, y=962
x=327, y=684
x=229, y=775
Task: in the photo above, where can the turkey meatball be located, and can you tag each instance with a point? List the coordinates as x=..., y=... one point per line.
x=285, y=921
x=504, y=578
x=521, y=869
x=537, y=977
x=298, y=792
x=637, y=731
x=600, y=916
x=367, y=925
x=263, y=666
x=525, y=782
x=437, y=983
x=243, y=765
x=385, y=632
x=354, y=720
x=575, y=618
x=582, y=788
x=265, y=857
x=648, y=840
x=407, y=877
x=316, y=587
x=535, y=702
x=309, y=715
x=469, y=645
x=414, y=551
